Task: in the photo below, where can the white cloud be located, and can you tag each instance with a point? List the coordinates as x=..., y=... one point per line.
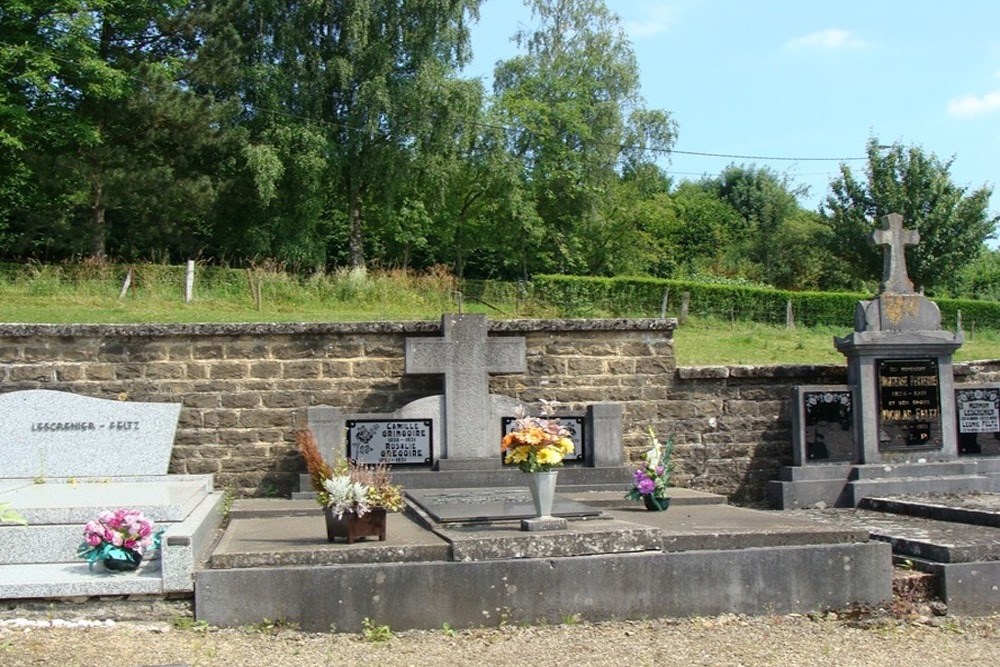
x=830, y=39
x=968, y=106
x=655, y=21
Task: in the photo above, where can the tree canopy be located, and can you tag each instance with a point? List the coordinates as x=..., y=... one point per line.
x=329, y=134
x=953, y=221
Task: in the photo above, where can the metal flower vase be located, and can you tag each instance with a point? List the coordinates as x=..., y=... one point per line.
x=543, y=490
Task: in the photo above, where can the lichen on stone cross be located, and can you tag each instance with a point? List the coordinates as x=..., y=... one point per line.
x=895, y=279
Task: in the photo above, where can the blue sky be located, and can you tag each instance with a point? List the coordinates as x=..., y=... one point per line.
x=803, y=79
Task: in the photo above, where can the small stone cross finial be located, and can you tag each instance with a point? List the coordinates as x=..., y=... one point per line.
x=895, y=279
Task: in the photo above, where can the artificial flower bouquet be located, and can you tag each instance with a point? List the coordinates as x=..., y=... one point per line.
x=536, y=444
x=115, y=534
x=348, y=487
x=653, y=477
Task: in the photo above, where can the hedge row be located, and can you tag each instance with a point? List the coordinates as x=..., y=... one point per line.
x=643, y=297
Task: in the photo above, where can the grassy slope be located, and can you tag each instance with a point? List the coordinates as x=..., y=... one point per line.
x=49, y=294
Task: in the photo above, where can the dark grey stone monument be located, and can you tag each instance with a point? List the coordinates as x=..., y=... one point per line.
x=899, y=361
x=823, y=424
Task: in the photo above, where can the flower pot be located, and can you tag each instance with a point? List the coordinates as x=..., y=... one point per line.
x=122, y=560
x=543, y=490
x=654, y=504
x=352, y=526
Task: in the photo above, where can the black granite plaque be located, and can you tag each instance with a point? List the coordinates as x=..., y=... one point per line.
x=573, y=424
x=909, y=403
x=828, y=425
x=392, y=441
x=978, y=421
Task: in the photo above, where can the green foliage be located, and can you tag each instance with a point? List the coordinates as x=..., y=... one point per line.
x=981, y=278
x=186, y=622
x=9, y=514
x=773, y=237
x=89, y=293
x=953, y=222
x=979, y=314
x=372, y=632
x=574, y=100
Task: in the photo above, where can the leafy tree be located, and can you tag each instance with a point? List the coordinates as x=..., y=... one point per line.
x=367, y=72
x=107, y=126
x=765, y=202
x=572, y=102
x=980, y=279
x=953, y=221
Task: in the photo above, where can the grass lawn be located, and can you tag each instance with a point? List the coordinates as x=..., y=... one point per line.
x=52, y=294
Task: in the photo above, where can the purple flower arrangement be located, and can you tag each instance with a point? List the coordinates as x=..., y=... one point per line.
x=653, y=477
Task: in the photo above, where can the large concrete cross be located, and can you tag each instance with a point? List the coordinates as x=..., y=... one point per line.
x=466, y=357
x=895, y=279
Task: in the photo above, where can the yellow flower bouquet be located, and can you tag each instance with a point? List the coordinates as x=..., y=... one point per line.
x=536, y=444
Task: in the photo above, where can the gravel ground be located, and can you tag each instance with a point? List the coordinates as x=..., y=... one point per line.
x=168, y=636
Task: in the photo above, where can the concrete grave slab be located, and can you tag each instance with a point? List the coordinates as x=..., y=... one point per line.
x=496, y=573
x=472, y=505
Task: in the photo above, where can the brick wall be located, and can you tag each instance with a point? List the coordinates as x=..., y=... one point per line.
x=245, y=388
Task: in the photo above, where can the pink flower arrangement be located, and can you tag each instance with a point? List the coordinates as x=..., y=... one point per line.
x=116, y=533
x=122, y=528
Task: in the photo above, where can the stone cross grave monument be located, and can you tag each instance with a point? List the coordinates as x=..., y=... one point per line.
x=899, y=363
x=456, y=436
x=895, y=420
x=466, y=356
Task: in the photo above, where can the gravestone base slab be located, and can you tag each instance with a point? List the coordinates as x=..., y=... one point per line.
x=711, y=557
x=822, y=486
x=445, y=506
x=461, y=465
x=544, y=523
x=40, y=561
x=953, y=536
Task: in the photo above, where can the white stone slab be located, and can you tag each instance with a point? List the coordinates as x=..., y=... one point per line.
x=168, y=500
x=58, y=434
x=76, y=580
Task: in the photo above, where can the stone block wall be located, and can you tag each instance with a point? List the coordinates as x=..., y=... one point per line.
x=244, y=388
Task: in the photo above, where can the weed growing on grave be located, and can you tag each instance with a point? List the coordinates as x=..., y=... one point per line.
x=228, y=498
x=373, y=632
x=269, y=627
x=9, y=514
x=448, y=630
x=189, y=623
x=570, y=618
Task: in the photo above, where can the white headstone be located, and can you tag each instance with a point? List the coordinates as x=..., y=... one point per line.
x=58, y=434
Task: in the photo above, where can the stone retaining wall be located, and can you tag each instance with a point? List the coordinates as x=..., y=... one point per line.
x=245, y=388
